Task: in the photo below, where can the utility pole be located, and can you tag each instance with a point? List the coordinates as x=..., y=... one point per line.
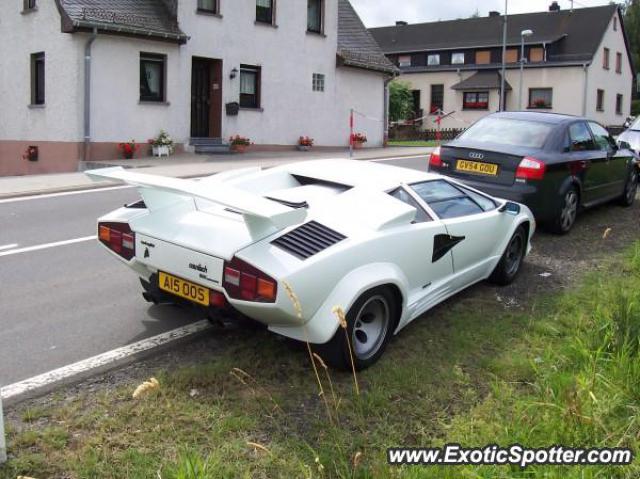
x=504, y=54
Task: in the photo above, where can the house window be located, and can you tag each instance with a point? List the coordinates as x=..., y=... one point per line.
x=605, y=59
x=618, y=104
x=512, y=55
x=600, y=100
x=264, y=11
x=483, y=57
x=208, y=6
x=29, y=5
x=404, y=60
x=37, y=78
x=314, y=15
x=475, y=100
x=618, y=62
x=433, y=59
x=540, y=98
x=536, y=55
x=250, y=86
x=153, y=73
x=457, y=58
x=437, y=98
x=615, y=24
x=318, y=82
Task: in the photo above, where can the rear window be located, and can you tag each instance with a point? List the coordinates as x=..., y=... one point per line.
x=508, y=131
x=449, y=201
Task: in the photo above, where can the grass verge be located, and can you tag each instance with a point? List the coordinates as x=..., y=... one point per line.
x=564, y=371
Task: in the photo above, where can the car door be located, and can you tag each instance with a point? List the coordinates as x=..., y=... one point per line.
x=427, y=269
x=587, y=161
x=616, y=173
x=474, y=226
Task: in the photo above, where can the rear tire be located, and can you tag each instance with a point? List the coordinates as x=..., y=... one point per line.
x=511, y=262
x=370, y=324
x=568, y=212
x=630, y=188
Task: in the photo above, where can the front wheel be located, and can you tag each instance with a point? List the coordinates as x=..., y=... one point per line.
x=511, y=260
x=630, y=188
x=370, y=323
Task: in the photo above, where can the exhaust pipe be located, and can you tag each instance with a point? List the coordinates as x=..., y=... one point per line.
x=149, y=298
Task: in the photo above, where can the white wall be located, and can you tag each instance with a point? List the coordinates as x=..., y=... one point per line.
x=288, y=57
x=20, y=36
x=608, y=80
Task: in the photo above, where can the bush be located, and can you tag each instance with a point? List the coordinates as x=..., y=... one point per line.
x=635, y=107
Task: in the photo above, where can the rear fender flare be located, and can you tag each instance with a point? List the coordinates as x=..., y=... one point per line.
x=324, y=323
x=567, y=183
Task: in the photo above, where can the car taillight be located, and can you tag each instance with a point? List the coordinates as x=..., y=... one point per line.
x=119, y=238
x=530, y=169
x=247, y=283
x=435, y=159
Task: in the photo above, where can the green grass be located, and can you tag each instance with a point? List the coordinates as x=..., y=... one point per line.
x=412, y=143
x=564, y=371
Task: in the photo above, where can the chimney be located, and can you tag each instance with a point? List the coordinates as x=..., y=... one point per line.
x=493, y=13
x=554, y=7
x=401, y=23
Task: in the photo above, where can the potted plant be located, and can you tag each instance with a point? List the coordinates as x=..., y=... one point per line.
x=304, y=143
x=128, y=149
x=162, y=145
x=540, y=103
x=239, y=144
x=358, y=140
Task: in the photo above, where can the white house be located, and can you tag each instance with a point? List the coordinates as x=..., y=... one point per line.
x=270, y=70
x=575, y=62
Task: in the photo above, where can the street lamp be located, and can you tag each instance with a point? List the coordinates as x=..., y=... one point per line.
x=504, y=53
x=523, y=34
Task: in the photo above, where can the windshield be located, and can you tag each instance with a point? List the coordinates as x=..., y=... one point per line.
x=635, y=125
x=508, y=131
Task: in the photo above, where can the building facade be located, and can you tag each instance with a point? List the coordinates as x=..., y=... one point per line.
x=575, y=62
x=269, y=70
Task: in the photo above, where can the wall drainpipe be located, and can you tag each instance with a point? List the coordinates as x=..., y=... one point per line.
x=87, y=94
x=585, y=94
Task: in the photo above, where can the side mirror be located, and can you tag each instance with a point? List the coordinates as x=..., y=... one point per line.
x=510, y=208
x=624, y=145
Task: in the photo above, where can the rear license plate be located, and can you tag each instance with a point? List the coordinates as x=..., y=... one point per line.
x=477, y=167
x=184, y=289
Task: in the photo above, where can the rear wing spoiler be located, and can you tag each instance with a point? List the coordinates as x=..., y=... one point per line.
x=260, y=214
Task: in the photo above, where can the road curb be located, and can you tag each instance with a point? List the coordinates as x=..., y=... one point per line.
x=21, y=391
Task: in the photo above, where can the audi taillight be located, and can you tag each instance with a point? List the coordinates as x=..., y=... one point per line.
x=530, y=169
x=247, y=283
x=119, y=238
x=435, y=160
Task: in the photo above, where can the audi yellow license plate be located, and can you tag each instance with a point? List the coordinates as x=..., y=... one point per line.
x=477, y=167
x=184, y=289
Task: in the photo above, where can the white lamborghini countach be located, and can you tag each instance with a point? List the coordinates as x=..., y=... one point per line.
x=384, y=243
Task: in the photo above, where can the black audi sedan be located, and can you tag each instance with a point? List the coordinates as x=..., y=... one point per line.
x=555, y=164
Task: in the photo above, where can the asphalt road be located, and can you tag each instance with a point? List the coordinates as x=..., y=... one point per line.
x=72, y=301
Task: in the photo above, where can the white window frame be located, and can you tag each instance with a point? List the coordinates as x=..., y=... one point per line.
x=433, y=59
x=457, y=55
x=318, y=82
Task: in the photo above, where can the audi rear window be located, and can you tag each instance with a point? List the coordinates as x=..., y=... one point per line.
x=508, y=131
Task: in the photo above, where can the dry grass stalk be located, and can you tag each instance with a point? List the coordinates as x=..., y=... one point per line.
x=342, y=319
x=336, y=403
x=606, y=233
x=255, y=388
x=257, y=447
x=298, y=308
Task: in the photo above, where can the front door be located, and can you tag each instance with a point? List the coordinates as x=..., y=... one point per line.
x=206, y=98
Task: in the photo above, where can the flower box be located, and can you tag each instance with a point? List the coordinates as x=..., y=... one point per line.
x=239, y=147
x=161, y=150
x=303, y=147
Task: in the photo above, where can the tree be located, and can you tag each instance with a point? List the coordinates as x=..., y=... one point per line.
x=631, y=9
x=400, y=100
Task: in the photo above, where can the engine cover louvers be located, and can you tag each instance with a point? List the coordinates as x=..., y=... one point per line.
x=308, y=240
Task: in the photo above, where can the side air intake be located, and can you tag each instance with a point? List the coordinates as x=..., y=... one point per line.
x=308, y=240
